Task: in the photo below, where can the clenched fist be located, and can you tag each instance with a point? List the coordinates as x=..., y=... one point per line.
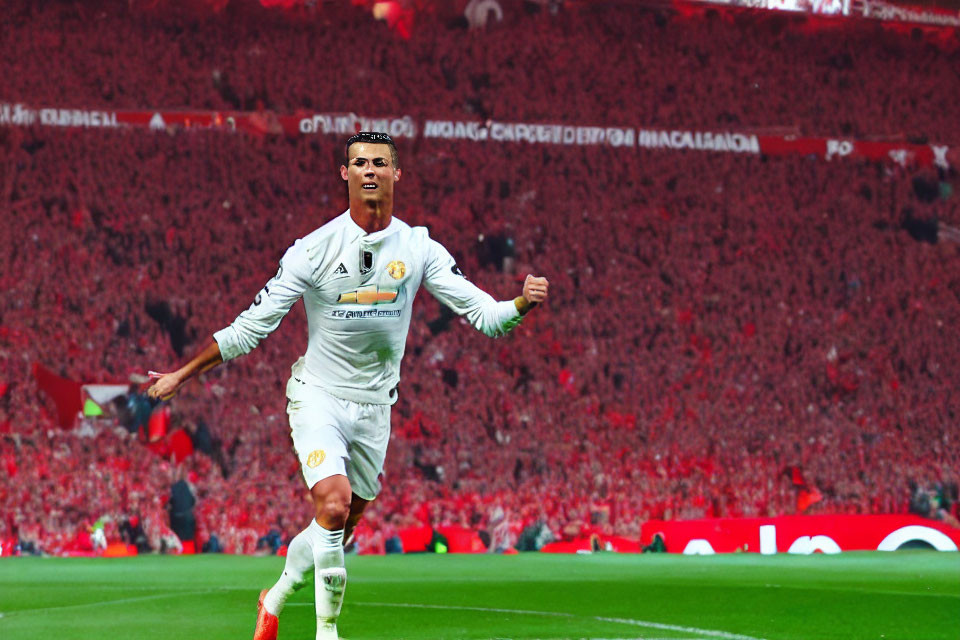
x=165, y=385
x=535, y=289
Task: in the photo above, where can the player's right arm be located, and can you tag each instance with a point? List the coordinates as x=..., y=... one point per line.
x=253, y=325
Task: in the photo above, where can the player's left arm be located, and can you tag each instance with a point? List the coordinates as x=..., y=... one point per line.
x=444, y=280
x=535, y=291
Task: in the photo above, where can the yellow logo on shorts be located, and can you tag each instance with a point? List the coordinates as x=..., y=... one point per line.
x=397, y=270
x=316, y=458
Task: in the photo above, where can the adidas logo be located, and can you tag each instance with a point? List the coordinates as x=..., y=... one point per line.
x=341, y=271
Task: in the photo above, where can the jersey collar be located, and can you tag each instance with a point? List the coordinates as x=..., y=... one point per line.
x=372, y=238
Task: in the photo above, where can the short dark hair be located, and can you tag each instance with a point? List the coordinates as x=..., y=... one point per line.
x=374, y=137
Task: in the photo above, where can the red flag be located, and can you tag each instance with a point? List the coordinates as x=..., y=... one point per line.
x=65, y=393
x=807, y=498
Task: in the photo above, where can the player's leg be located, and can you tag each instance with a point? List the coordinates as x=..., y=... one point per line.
x=331, y=498
x=368, y=450
x=319, y=548
x=317, y=545
x=322, y=451
x=341, y=500
x=357, y=506
x=298, y=564
x=297, y=568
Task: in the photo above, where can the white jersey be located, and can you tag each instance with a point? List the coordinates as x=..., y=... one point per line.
x=358, y=291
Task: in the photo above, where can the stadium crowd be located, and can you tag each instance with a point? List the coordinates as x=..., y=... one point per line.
x=658, y=69
x=720, y=325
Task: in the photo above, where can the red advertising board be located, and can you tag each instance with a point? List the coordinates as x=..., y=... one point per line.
x=800, y=534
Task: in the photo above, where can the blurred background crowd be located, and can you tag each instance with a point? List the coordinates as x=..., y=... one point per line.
x=727, y=335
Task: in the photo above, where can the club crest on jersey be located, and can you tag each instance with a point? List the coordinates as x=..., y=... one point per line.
x=397, y=270
x=316, y=458
x=370, y=294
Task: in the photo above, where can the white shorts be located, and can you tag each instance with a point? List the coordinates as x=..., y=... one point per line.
x=332, y=436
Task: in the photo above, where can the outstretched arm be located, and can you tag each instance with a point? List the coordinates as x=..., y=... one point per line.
x=446, y=282
x=167, y=384
x=253, y=325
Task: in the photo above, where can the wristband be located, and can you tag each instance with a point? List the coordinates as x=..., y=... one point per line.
x=523, y=306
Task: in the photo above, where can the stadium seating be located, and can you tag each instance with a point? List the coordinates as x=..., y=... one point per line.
x=715, y=320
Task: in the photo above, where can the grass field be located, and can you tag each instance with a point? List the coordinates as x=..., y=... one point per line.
x=906, y=595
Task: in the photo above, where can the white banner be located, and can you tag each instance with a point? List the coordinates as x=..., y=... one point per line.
x=405, y=127
x=104, y=393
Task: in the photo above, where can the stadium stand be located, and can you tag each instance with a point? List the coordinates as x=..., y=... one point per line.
x=725, y=334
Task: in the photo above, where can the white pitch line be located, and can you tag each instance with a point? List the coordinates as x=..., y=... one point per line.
x=672, y=627
x=709, y=633
x=98, y=603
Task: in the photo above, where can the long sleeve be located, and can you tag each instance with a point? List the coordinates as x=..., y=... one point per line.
x=446, y=282
x=269, y=307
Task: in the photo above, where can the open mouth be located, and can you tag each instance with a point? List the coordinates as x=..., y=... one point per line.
x=369, y=186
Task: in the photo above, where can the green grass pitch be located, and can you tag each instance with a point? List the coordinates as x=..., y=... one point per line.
x=904, y=595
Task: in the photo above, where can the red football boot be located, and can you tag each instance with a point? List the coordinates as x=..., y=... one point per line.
x=267, y=623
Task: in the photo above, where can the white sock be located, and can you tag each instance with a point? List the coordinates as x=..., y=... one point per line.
x=331, y=580
x=294, y=576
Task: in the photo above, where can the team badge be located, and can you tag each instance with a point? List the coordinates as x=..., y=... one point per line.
x=316, y=458
x=397, y=270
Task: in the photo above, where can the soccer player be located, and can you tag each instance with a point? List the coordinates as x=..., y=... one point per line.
x=357, y=275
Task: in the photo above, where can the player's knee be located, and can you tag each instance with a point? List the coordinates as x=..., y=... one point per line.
x=333, y=511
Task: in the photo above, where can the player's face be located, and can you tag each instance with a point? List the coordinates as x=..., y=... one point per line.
x=369, y=172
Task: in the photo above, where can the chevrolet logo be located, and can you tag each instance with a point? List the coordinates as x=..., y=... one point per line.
x=370, y=294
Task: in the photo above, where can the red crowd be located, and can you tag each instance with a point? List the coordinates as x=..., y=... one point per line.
x=613, y=66
x=719, y=325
